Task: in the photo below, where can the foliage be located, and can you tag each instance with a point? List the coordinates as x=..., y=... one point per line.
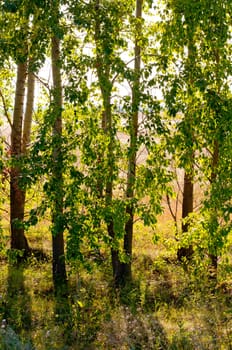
x=184, y=105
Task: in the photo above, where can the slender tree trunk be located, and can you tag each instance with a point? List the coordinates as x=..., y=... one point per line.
x=131, y=175
x=116, y=264
x=103, y=73
x=215, y=159
x=214, y=168
x=100, y=185
x=59, y=268
x=187, y=204
x=27, y=124
x=17, y=194
x=28, y=112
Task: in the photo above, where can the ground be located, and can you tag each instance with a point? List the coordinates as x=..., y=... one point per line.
x=168, y=306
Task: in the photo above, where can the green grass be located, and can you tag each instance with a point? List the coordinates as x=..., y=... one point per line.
x=166, y=306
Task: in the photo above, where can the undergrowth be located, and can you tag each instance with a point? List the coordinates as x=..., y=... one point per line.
x=167, y=306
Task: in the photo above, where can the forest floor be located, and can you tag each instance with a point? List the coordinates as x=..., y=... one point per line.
x=168, y=306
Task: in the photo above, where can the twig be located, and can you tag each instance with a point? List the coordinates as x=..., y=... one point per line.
x=170, y=208
x=178, y=183
x=174, y=215
x=4, y=210
x=5, y=109
x=42, y=82
x=117, y=74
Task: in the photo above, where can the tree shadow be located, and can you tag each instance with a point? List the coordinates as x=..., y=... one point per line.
x=142, y=326
x=17, y=307
x=79, y=315
x=63, y=310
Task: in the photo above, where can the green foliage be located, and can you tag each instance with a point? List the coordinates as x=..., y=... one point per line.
x=186, y=56
x=21, y=38
x=194, y=76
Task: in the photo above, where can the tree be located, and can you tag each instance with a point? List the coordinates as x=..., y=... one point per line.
x=104, y=74
x=59, y=269
x=17, y=194
x=103, y=22
x=20, y=140
x=132, y=150
x=197, y=86
x=21, y=21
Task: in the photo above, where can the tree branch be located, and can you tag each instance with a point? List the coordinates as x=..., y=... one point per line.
x=5, y=109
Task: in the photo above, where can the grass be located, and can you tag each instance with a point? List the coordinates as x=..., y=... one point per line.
x=166, y=306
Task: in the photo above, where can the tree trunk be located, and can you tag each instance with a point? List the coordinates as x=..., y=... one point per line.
x=214, y=167
x=59, y=268
x=213, y=255
x=187, y=204
x=116, y=264
x=105, y=84
x=187, y=208
x=29, y=112
x=17, y=193
x=131, y=174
